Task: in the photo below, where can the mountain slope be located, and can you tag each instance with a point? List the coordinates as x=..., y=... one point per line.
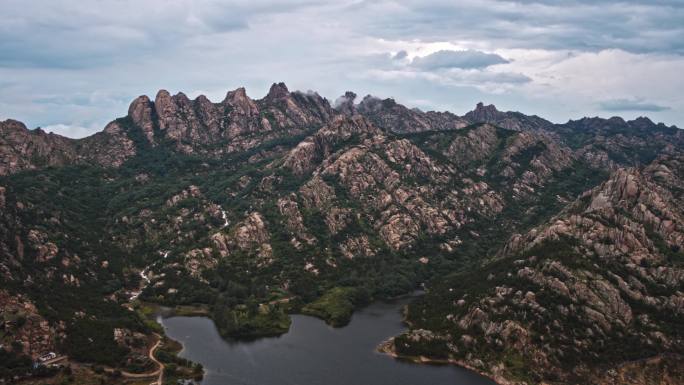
x=599, y=285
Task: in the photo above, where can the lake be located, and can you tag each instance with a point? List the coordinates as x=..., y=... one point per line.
x=312, y=353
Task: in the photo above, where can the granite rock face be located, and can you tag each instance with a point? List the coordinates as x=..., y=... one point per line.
x=237, y=123
x=23, y=149
x=394, y=117
x=605, y=272
x=23, y=324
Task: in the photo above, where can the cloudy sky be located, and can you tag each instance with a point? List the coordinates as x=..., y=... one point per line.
x=70, y=66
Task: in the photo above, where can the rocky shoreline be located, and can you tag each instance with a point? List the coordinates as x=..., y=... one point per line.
x=387, y=347
x=636, y=371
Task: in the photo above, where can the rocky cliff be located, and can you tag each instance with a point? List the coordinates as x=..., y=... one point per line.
x=235, y=124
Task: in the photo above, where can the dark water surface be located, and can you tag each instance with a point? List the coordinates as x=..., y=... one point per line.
x=312, y=353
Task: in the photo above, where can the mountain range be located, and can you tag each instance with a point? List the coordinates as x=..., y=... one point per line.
x=549, y=253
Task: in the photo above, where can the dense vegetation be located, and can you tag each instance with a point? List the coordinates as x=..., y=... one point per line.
x=337, y=305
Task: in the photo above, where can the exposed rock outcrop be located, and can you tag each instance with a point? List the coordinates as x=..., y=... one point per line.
x=605, y=272
x=509, y=120
x=393, y=117
x=21, y=323
x=22, y=149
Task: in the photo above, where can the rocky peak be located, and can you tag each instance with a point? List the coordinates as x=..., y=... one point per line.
x=21, y=148
x=167, y=108
x=163, y=98
x=642, y=123
x=181, y=98
x=205, y=105
x=278, y=91
x=391, y=116
x=372, y=103
x=484, y=114
x=314, y=103
x=138, y=105
x=345, y=103
x=617, y=120
x=202, y=99
x=239, y=93
x=11, y=125
x=141, y=112
x=613, y=143
x=237, y=96
x=285, y=110
x=515, y=121
x=350, y=95
x=24, y=149
x=241, y=103
x=11, y=130
x=198, y=126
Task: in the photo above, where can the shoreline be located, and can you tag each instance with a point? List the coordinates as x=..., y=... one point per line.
x=152, y=313
x=387, y=347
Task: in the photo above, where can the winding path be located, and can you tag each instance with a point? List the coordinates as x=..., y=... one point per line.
x=160, y=379
x=159, y=372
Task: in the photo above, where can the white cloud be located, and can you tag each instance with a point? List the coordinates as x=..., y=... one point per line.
x=69, y=130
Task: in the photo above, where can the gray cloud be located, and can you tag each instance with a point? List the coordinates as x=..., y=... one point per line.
x=619, y=105
x=636, y=26
x=400, y=55
x=467, y=59
x=67, y=34
x=74, y=65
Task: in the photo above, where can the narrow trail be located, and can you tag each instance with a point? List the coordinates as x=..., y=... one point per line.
x=160, y=379
x=134, y=295
x=159, y=372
